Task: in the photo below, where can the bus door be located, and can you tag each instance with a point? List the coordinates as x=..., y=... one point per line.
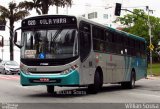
x=85, y=53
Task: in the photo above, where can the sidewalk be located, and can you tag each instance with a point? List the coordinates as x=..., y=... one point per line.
x=152, y=77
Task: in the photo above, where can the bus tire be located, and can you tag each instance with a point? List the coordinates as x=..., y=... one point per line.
x=94, y=88
x=50, y=89
x=131, y=83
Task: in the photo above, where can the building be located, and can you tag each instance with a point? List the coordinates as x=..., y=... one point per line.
x=103, y=14
x=5, y=53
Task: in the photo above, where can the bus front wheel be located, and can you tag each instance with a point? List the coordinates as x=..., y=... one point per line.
x=94, y=88
x=50, y=89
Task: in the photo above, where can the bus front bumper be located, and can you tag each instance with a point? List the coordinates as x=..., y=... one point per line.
x=69, y=79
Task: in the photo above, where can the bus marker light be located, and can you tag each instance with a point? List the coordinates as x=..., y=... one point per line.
x=70, y=69
x=97, y=58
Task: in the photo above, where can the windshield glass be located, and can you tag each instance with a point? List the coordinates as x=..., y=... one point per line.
x=50, y=44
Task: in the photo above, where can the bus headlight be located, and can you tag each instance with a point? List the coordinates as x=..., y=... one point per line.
x=25, y=71
x=69, y=70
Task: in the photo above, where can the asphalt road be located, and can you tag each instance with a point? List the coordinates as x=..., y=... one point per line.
x=146, y=91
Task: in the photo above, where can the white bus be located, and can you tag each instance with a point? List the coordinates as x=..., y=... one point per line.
x=62, y=50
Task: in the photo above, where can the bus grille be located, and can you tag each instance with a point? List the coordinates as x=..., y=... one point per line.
x=47, y=72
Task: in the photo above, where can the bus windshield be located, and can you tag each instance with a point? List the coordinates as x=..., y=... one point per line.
x=50, y=44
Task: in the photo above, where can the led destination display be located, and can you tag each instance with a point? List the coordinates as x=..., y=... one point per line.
x=49, y=21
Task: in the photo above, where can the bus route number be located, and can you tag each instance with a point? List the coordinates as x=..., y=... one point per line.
x=31, y=22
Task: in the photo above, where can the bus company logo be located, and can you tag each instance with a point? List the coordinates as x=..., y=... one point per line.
x=31, y=69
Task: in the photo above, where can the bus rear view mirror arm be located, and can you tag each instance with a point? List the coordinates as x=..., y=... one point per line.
x=19, y=46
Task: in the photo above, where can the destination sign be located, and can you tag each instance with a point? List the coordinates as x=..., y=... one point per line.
x=48, y=20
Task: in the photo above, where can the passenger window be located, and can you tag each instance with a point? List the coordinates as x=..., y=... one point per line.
x=98, y=33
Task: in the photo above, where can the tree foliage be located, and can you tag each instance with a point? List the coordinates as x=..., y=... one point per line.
x=42, y=6
x=137, y=24
x=12, y=14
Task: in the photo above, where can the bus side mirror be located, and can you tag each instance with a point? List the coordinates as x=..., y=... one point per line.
x=2, y=42
x=15, y=40
x=15, y=37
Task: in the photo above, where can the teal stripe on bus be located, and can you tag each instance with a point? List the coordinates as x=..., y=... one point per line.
x=67, y=79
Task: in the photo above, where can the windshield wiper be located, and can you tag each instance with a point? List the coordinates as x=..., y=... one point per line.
x=56, y=34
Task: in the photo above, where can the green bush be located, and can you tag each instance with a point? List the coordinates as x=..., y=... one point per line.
x=155, y=57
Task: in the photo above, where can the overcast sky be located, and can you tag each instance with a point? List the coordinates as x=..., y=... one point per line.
x=79, y=7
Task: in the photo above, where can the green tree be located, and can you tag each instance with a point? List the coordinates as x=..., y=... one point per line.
x=42, y=6
x=12, y=14
x=137, y=24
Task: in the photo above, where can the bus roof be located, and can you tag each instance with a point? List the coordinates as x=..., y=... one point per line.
x=112, y=29
x=128, y=34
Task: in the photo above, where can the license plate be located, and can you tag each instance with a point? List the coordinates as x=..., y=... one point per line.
x=45, y=80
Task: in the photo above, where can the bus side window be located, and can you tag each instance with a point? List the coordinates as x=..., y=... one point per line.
x=111, y=42
x=98, y=39
x=134, y=46
x=115, y=43
x=122, y=45
x=126, y=45
x=137, y=49
x=107, y=36
x=143, y=49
